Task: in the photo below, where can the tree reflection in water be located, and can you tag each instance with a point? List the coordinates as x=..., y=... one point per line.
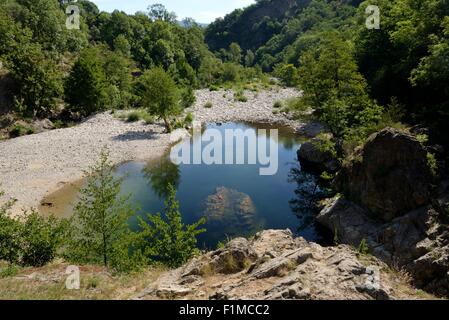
x=307, y=194
x=162, y=174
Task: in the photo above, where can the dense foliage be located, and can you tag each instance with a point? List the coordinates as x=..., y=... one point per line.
x=165, y=238
x=31, y=240
x=405, y=61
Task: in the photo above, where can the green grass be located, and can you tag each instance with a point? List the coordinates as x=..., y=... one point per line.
x=136, y=115
x=239, y=96
x=208, y=105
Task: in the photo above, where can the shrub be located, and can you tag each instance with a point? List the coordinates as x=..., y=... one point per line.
x=214, y=87
x=432, y=163
x=239, y=95
x=208, y=105
x=188, y=97
x=40, y=239
x=287, y=73
x=165, y=238
x=363, y=247
x=133, y=116
x=325, y=144
x=9, y=271
x=278, y=105
x=17, y=131
x=33, y=241
x=188, y=119
x=10, y=244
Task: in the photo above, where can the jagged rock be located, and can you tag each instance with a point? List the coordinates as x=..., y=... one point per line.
x=416, y=241
x=43, y=125
x=283, y=267
x=311, y=157
x=389, y=176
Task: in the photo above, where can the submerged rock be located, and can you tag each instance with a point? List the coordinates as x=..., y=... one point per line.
x=230, y=207
x=275, y=265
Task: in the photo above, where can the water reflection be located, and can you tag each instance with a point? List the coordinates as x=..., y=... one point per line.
x=160, y=175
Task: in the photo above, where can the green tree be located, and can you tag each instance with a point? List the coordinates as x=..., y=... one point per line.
x=99, y=228
x=32, y=240
x=40, y=239
x=160, y=95
x=9, y=234
x=249, y=58
x=287, y=73
x=166, y=239
x=38, y=79
x=85, y=88
x=235, y=53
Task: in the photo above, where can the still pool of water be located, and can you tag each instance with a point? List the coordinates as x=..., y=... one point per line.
x=235, y=199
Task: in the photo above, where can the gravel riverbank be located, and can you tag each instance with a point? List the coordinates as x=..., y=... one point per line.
x=33, y=166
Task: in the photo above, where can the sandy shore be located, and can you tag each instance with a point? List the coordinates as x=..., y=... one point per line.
x=34, y=166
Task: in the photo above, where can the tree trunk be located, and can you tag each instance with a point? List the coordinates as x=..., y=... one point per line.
x=167, y=125
x=105, y=255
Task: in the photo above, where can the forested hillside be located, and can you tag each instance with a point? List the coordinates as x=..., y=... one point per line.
x=405, y=61
x=52, y=71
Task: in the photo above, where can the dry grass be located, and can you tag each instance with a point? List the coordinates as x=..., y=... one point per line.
x=48, y=283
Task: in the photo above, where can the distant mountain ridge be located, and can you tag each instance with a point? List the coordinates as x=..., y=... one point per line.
x=253, y=26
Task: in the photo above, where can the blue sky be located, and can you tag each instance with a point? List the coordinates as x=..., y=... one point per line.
x=204, y=11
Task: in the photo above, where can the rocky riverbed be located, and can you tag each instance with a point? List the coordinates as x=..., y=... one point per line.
x=36, y=165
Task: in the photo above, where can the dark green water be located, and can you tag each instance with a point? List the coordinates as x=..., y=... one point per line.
x=235, y=199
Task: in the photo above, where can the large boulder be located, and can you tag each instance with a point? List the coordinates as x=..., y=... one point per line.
x=313, y=157
x=389, y=176
x=417, y=241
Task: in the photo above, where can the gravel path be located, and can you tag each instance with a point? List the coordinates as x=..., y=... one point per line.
x=36, y=165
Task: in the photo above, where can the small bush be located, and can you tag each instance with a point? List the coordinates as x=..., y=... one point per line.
x=325, y=144
x=208, y=105
x=9, y=271
x=432, y=163
x=133, y=117
x=363, y=247
x=40, y=238
x=33, y=241
x=188, y=119
x=214, y=87
x=166, y=238
x=422, y=138
x=278, y=105
x=240, y=96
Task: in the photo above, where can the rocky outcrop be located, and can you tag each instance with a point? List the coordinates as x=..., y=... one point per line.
x=417, y=241
x=275, y=265
x=313, y=157
x=389, y=176
x=387, y=205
